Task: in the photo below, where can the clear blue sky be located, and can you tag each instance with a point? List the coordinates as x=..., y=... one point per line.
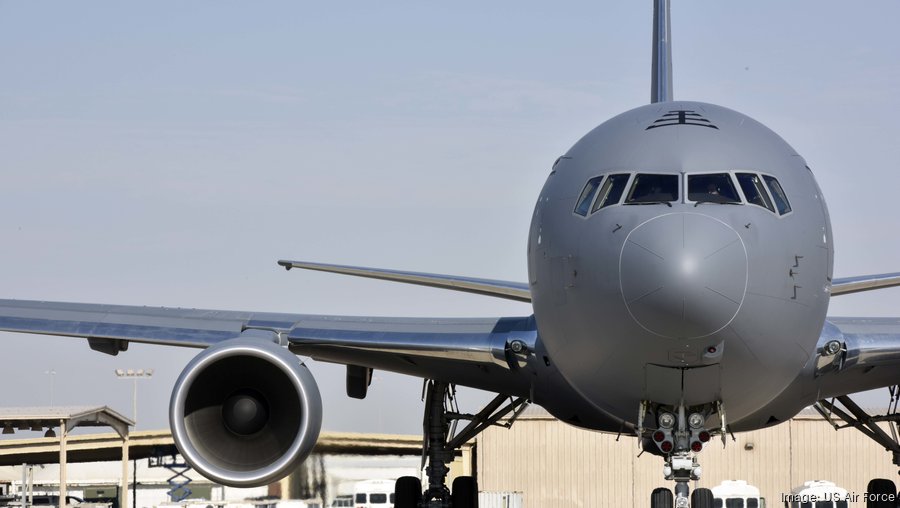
x=167, y=153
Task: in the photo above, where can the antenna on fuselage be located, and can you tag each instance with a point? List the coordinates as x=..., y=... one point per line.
x=661, y=87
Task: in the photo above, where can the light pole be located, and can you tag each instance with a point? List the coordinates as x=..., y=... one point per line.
x=134, y=375
x=52, y=374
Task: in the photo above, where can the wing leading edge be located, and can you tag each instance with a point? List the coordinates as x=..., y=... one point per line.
x=470, y=352
x=518, y=291
x=846, y=286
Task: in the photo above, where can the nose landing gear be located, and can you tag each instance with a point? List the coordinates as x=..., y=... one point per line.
x=681, y=467
x=681, y=434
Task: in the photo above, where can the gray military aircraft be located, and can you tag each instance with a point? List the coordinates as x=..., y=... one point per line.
x=679, y=268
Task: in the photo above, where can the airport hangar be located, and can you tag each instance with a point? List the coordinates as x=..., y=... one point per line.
x=549, y=462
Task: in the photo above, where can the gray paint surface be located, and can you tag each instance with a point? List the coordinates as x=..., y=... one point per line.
x=32, y=286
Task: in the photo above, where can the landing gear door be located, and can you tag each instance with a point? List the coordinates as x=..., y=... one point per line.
x=702, y=384
x=692, y=385
x=662, y=384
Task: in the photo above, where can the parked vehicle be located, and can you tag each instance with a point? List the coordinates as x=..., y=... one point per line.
x=374, y=494
x=737, y=494
x=817, y=494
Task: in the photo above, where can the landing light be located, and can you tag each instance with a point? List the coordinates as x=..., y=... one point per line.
x=666, y=446
x=704, y=436
x=658, y=436
x=696, y=446
x=696, y=420
x=832, y=347
x=666, y=420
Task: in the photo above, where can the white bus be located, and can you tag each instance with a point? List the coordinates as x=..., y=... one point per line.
x=817, y=494
x=737, y=494
x=374, y=494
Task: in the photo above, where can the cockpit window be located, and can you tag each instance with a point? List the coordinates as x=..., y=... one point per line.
x=611, y=191
x=781, y=201
x=649, y=189
x=754, y=191
x=715, y=188
x=587, y=195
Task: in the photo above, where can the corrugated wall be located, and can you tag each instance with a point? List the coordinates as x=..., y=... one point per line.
x=555, y=464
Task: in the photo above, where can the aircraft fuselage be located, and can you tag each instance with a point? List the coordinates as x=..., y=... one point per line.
x=680, y=296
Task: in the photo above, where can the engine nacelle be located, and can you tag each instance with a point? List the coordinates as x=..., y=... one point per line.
x=245, y=412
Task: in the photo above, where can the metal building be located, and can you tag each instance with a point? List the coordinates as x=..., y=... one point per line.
x=555, y=464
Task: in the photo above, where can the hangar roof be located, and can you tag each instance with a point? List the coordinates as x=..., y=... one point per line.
x=37, y=418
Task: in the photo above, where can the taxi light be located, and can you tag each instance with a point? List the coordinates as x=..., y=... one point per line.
x=696, y=420
x=666, y=446
x=666, y=420
x=696, y=446
x=704, y=436
x=658, y=436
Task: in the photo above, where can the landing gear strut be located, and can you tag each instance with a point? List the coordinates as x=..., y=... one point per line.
x=437, y=451
x=880, y=492
x=682, y=468
x=441, y=443
x=679, y=435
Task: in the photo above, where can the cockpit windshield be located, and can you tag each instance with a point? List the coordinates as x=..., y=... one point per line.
x=727, y=188
x=587, y=195
x=649, y=189
x=712, y=188
x=781, y=201
x=754, y=191
x=611, y=191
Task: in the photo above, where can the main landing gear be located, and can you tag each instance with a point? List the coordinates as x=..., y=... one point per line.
x=880, y=492
x=441, y=443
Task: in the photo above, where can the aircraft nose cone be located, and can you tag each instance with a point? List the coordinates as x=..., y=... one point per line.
x=683, y=275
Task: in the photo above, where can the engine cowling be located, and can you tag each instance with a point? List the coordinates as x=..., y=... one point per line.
x=245, y=412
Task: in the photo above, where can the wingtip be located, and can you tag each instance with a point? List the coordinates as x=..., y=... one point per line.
x=286, y=264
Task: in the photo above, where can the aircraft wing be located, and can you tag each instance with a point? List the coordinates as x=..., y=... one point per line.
x=471, y=352
x=846, y=286
x=518, y=291
x=868, y=356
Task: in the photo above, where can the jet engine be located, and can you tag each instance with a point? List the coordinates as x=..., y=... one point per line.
x=245, y=412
